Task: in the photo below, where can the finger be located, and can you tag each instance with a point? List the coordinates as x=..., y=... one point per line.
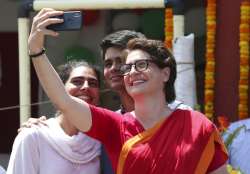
x=42, y=27
x=49, y=21
x=44, y=10
x=30, y=122
x=43, y=118
x=50, y=14
x=35, y=121
x=48, y=32
x=43, y=20
x=25, y=125
x=43, y=123
x=19, y=130
x=42, y=15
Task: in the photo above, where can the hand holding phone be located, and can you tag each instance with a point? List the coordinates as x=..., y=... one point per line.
x=72, y=21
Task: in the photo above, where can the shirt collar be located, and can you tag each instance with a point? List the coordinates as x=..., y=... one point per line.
x=245, y=122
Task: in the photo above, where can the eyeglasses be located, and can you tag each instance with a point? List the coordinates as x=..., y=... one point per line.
x=140, y=65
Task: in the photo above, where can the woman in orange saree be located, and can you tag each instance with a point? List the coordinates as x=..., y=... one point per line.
x=187, y=146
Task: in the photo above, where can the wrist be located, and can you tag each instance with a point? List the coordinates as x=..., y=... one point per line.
x=34, y=50
x=36, y=53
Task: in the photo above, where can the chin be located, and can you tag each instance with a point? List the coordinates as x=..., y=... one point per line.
x=133, y=91
x=117, y=87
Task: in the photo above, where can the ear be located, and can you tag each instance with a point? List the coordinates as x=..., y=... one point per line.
x=165, y=74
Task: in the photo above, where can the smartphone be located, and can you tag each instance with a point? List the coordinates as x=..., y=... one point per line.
x=72, y=21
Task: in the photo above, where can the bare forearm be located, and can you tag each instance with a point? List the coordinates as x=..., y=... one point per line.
x=50, y=81
x=76, y=110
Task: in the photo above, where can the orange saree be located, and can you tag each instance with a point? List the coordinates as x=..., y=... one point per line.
x=185, y=142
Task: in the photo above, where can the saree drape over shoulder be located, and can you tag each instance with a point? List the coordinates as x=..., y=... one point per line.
x=185, y=142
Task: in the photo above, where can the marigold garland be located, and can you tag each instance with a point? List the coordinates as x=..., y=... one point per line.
x=210, y=58
x=244, y=38
x=168, y=27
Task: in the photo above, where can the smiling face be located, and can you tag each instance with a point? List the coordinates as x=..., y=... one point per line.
x=112, y=62
x=148, y=81
x=83, y=84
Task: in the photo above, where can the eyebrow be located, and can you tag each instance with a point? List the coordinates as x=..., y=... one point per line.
x=113, y=58
x=80, y=77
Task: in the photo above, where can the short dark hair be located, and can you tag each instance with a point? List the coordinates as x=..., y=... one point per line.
x=65, y=69
x=162, y=57
x=119, y=39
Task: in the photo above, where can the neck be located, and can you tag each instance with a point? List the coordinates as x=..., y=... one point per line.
x=126, y=100
x=67, y=127
x=151, y=109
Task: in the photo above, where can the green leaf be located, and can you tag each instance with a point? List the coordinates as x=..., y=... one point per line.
x=234, y=134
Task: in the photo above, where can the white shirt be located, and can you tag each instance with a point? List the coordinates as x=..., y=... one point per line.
x=2, y=171
x=48, y=150
x=179, y=105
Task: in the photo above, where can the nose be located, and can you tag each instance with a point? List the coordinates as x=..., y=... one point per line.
x=133, y=69
x=85, y=85
x=116, y=66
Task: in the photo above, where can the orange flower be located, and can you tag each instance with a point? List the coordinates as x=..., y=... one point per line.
x=244, y=35
x=243, y=82
x=211, y=7
x=223, y=123
x=211, y=27
x=243, y=107
x=209, y=96
x=243, y=115
x=168, y=27
x=211, y=1
x=210, y=13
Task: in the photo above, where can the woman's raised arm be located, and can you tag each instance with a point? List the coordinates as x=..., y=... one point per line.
x=76, y=110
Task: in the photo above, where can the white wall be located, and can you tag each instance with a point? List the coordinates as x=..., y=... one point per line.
x=8, y=14
x=8, y=23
